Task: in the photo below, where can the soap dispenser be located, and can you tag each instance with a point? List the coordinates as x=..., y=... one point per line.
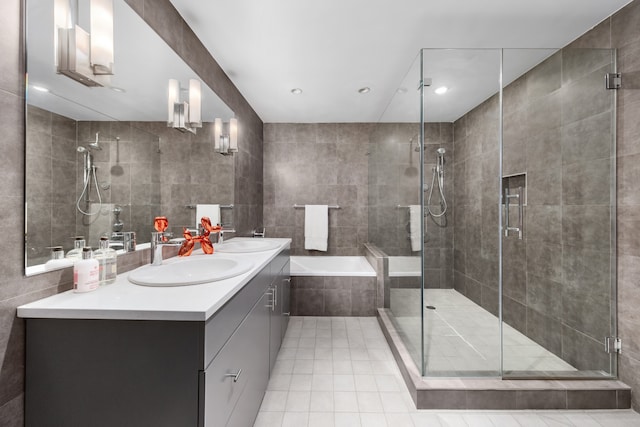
x=78, y=245
x=107, y=261
x=85, y=272
x=57, y=259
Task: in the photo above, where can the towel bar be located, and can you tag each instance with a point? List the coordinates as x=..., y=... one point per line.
x=221, y=206
x=329, y=206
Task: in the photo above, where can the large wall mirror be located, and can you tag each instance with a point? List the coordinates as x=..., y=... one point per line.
x=102, y=160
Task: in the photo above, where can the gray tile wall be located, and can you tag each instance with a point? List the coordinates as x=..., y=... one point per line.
x=317, y=164
x=15, y=289
x=51, y=181
x=475, y=220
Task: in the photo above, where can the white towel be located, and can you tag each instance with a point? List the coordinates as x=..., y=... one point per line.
x=212, y=211
x=316, y=227
x=415, y=235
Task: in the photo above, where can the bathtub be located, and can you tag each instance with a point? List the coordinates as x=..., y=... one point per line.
x=349, y=266
x=332, y=286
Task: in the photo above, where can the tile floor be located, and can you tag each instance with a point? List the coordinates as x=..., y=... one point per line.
x=461, y=336
x=339, y=371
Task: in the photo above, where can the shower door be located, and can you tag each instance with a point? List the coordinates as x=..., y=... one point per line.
x=558, y=177
x=525, y=253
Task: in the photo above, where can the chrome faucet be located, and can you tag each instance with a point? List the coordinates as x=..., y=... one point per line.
x=221, y=234
x=157, y=242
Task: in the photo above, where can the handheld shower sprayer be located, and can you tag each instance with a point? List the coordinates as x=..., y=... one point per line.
x=438, y=174
x=89, y=171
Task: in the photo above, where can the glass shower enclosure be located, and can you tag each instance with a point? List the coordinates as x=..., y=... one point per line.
x=492, y=195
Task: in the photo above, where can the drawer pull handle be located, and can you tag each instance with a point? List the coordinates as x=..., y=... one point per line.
x=286, y=314
x=235, y=376
x=275, y=298
x=271, y=304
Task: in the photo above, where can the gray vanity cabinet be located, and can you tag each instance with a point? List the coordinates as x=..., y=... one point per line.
x=279, y=292
x=82, y=372
x=235, y=381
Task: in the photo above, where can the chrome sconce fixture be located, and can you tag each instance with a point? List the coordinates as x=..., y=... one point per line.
x=86, y=57
x=184, y=115
x=225, y=136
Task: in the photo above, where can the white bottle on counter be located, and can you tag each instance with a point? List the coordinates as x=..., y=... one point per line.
x=108, y=262
x=86, y=272
x=76, y=253
x=57, y=259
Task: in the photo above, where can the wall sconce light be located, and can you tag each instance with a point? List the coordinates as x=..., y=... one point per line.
x=86, y=57
x=225, y=143
x=184, y=115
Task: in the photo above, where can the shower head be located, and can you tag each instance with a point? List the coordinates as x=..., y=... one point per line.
x=415, y=138
x=95, y=145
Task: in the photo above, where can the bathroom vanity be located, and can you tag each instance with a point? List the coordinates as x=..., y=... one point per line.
x=130, y=355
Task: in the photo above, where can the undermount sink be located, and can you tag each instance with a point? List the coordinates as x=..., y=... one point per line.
x=190, y=271
x=249, y=245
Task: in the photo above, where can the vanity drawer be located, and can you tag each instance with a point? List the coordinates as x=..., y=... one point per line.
x=220, y=327
x=236, y=379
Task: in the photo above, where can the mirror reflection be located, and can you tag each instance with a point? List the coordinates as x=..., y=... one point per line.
x=102, y=160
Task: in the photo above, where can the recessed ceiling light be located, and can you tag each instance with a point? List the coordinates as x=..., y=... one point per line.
x=40, y=88
x=364, y=90
x=296, y=91
x=117, y=89
x=441, y=90
x=402, y=90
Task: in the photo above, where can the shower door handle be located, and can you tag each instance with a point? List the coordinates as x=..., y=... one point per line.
x=507, y=201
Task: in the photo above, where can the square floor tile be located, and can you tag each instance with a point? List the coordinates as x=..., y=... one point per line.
x=347, y=419
x=298, y=402
x=345, y=401
x=301, y=382
x=369, y=401
x=321, y=419
x=295, y=419
x=322, y=401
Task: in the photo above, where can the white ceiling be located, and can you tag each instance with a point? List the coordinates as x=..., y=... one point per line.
x=331, y=48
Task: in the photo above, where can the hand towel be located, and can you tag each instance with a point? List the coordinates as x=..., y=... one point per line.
x=415, y=235
x=316, y=227
x=212, y=211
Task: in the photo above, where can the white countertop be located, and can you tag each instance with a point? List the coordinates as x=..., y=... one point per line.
x=123, y=300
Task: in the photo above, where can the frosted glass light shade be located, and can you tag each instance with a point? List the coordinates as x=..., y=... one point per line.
x=102, y=37
x=233, y=135
x=217, y=134
x=173, y=97
x=195, y=104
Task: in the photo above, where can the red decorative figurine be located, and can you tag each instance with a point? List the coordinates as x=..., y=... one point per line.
x=205, y=242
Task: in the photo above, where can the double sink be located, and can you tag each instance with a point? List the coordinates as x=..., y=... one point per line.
x=203, y=268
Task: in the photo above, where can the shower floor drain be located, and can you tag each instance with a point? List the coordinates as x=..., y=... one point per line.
x=430, y=307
